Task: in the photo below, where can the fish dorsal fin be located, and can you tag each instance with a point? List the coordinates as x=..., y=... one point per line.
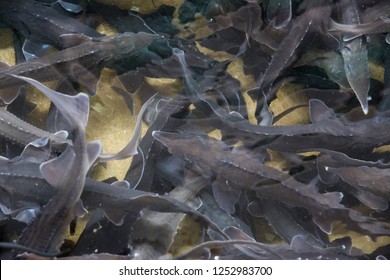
x=74, y=108
x=319, y=111
x=94, y=149
x=72, y=40
x=54, y=171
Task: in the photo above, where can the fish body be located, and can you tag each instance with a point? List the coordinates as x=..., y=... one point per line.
x=76, y=63
x=22, y=181
x=31, y=18
x=239, y=170
x=246, y=247
x=21, y=132
x=352, y=31
x=371, y=132
x=65, y=173
x=368, y=181
x=299, y=28
x=283, y=222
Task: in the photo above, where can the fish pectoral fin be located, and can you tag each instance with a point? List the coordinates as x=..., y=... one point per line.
x=235, y=233
x=333, y=197
x=256, y=209
x=37, y=151
x=84, y=77
x=326, y=225
x=27, y=215
x=371, y=200
x=94, y=149
x=72, y=40
x=55, y=171
x=4, y=65
x=62, y=134
x=115, y=216
x=70, y=7
x=33, y=49
x=319, y=111
x=79, y=210
x=121, y=184
x=299, y=243
x=225, y=196
x=9, y=94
